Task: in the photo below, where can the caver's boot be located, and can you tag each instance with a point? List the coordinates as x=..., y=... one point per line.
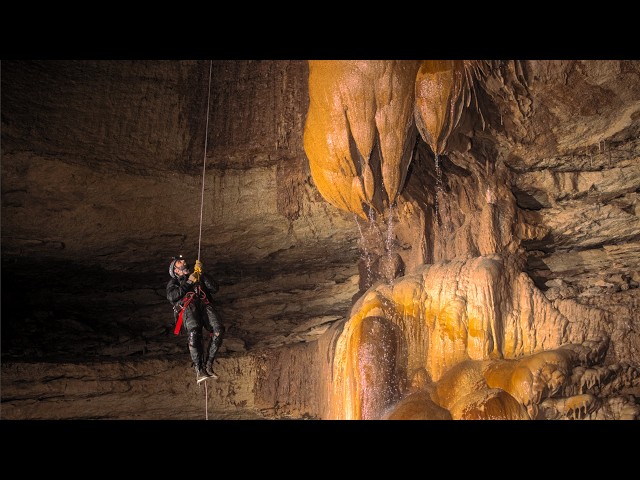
x=202, y=374
x=195, y=349
x=209, y=370
x=216, y=341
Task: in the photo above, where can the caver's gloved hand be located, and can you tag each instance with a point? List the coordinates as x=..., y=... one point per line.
x=197, y=271
x=192, y=279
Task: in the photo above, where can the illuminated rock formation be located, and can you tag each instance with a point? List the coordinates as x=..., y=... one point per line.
x=418, y=406
x=359, y=135
x=482, y=338
x=531, y=387
x=494, y=265
x=465, y=318
x=360, y=132
x=443, y=90
x=447, y=313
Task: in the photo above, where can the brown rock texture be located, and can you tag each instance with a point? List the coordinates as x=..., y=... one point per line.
x=361, y=275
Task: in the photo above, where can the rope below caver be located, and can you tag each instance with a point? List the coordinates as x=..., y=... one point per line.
x=204, y=166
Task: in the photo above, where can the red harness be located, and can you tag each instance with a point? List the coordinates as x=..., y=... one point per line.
x=188, y=298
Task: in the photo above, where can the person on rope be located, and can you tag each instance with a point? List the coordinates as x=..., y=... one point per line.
x=190, y=294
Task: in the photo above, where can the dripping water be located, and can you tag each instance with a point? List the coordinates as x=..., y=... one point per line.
x=372, y=231
x=439, y=188
x=372, y=218
x=388, y=242
x=364, y=253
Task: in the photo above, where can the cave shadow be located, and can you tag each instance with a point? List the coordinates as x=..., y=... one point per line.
x=63, y=310
x=535, y=266
x=525, y=200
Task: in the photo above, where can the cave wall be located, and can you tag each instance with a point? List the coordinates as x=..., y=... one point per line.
x=279, y=384
x=74, y=131
x=101, y=168
x=150, y=115
x=101, y=185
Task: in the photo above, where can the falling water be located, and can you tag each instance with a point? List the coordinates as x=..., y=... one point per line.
x=366, y=256
x=388, y=242
x=372, y=230
x=372, y=218
x=439, y=188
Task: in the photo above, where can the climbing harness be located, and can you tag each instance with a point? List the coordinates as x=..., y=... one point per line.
x=186, y=301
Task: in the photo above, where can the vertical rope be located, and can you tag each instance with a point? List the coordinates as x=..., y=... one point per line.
x=204, y=167
x=204, y=162
x=206, y=401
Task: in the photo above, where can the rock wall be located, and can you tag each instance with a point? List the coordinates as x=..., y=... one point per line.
x=270, y=384
x=101, y=185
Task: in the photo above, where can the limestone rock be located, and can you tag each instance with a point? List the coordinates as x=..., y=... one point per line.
x=520, y=238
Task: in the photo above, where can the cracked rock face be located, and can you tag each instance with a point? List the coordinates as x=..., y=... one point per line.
x=361, y=276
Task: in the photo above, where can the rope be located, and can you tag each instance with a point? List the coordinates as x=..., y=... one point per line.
x=206, y=398
x=206, y=401
x=204, y=166
x=204, y=162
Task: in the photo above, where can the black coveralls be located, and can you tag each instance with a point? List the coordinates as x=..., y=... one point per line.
x=198, y=314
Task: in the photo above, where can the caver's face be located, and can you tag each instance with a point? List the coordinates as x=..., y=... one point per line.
x=180, y=268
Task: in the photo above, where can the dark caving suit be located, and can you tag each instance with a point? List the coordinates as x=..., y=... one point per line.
x=199, y=313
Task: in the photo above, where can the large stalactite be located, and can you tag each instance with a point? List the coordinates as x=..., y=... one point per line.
x=360, y=134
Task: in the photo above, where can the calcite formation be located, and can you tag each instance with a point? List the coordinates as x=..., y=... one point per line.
x=443, y=89
x=474, y=338
x=359, y=135
x=454, y=329
x=496, y=215
x=361, y=124
x=432, y=320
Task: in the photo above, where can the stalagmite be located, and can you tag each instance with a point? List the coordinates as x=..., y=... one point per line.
x=470, y=327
